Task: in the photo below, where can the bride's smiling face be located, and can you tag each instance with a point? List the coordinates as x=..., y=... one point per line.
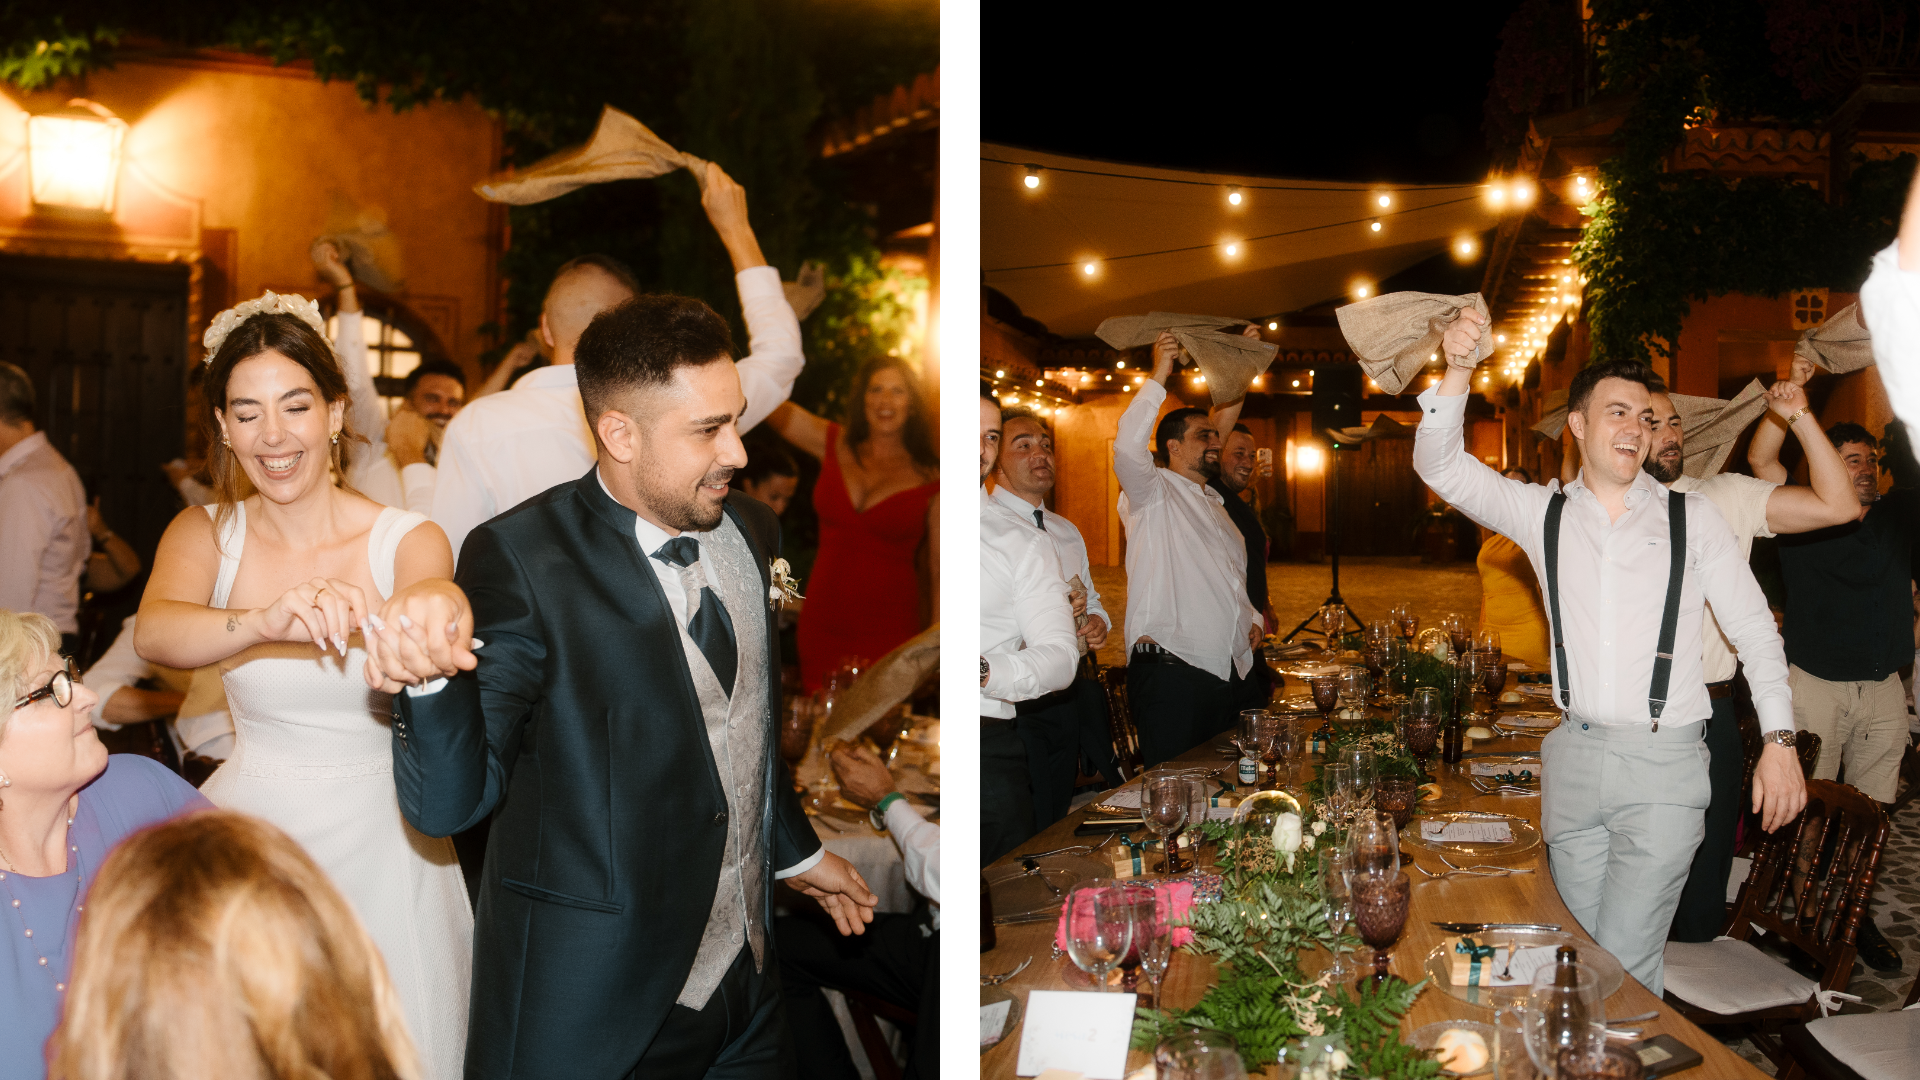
x=279, y=425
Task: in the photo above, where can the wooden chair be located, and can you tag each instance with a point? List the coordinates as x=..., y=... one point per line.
x=1126, y=735
x=863, y=1008
x=1810, y=1058
x=1808, y=889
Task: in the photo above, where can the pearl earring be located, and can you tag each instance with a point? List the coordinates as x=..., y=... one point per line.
x=336, y=438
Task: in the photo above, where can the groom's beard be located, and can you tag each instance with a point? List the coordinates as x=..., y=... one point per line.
x=684, y=511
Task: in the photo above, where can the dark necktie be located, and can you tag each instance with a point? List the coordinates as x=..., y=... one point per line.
x=1039, y=518
x=708, y=626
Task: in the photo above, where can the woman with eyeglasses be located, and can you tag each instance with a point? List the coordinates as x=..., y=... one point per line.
x=64, y=803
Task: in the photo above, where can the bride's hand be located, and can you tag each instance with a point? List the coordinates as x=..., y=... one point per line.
x=424, y=632
x=323, y=610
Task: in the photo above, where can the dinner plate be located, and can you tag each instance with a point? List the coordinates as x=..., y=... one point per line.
x=1439, y=965
x=1528, y=719
x=1427, y=1037
x=1525, y=839
x=1017, y=893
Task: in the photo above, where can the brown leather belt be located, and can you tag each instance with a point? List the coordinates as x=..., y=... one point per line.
x=1720, y=689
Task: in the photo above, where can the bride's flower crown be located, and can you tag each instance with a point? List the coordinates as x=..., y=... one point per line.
x=269, y=303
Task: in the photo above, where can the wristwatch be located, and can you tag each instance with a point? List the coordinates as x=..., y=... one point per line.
x=983, y=671
x=877, y=817
x=1782, y=736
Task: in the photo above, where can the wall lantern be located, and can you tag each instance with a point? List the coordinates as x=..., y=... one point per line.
x=73, y=156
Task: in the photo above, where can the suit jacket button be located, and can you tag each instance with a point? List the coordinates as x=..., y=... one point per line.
x=720, y=818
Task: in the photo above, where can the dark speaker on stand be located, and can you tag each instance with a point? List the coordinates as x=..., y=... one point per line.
x=1336, y=399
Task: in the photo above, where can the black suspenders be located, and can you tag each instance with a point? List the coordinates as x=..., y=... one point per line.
x=1669, y=619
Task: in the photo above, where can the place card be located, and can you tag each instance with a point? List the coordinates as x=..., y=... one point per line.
x=1467, y=832
x=1502, y=768
x=993, y=1021
x=1080, y=1031
x=1519, y=973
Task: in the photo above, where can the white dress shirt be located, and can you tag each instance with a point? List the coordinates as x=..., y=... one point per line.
x=1613, y=581
x=373, y=472
x=919, y=842
x=1186, y=560
x=508, y=447
x=1890, y=308
x=1067, y=542
x=44, y=542
x=1026, y=625
x=1742, y=500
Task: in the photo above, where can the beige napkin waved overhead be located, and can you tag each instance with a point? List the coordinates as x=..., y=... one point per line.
x=1708, y=426
x=1840, y=344
x=806, y=294
x=884, y=685
x=365, y=244
x=622, y=148
x=1229, y=361
x=1396, y=334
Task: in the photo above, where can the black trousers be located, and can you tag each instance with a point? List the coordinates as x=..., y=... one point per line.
x=896, y=960
x=1006, y=797
x=1702, y=915
x=1057, y=730
x=740, y=1035
x=1177, y=706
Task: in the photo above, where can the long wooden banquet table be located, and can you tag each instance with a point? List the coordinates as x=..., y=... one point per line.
x=1514, y=898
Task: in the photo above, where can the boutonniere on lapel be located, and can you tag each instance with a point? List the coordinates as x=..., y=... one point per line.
x=785, y=588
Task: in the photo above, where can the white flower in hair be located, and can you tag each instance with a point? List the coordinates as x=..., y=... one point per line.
x=269, y=303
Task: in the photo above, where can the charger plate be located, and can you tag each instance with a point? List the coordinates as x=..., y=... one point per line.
x=1526, y=839
x=1017, y=894
x=1439, y=965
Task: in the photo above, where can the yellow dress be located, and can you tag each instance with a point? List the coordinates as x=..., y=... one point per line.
x=1510, y=600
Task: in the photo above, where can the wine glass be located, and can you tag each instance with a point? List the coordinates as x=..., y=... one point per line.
x=1380, y=911
x=1099, y=930
x=1336, y=889
x=1198, y=1055
x=1246, y=735
x=1375, y=843
x=1326, y=694
x=1300, y=741
x=1197, y=800
x=1142, y=909
x=1268, y=729
x=1407, y=622
x=1152, y=940
x=1377, y=655
x=1354, y=687
x=1510, y=1060
x=1424, y=710
x=1336, y=781
x=1493, y=674
x=1364, y=764
x=1287, y=737
x=1564, y=1013
x=1163, y=805
x=796, y=729
x=1486, y=639
x=1458, y=636
x=1333, y=619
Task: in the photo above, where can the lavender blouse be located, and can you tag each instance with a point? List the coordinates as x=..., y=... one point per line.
x=132, y=793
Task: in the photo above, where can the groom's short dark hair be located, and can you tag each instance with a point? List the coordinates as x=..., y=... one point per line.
x=641, y=342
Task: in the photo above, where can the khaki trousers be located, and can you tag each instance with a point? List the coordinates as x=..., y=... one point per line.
x=1862, y=725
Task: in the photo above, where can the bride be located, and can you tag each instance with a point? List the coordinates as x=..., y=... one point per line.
x=274, y=582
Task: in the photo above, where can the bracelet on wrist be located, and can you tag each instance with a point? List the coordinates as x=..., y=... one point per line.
x=1795, y=418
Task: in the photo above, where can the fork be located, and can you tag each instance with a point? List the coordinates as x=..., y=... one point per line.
x=996, y=980
x=1465, y=869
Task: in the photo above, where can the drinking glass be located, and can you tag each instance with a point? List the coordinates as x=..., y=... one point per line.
x=1493, y=673
x=1336, y=888
x=1300, y=742
x=1246, y=736
x=1362, y=762
x=1287, y=739
x=1326, y=694
x=1099, y=930
x=1262, y=728
x=1336, y=781
x=1163, y=805
x=1353, y=687
x=1486, y=640
x=1197, y=799
x=1563, y=1016
x=1333, y=619
x=1375, y=843
x=796, y=729
x=1153, y=942
x=1380, y=911
x=1142, y=907
x=1423, y=724
x=1458, y=636
x=1198, y=1055
x=1377, y=656
x=1510, y=1060
x=1407, y=622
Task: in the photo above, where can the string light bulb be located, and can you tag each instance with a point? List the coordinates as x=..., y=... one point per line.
x=1232, y=250
x=1361, y=292
x=1088, y=268
x=1522, y=193
x=1496, y=195
x=1385, y=201
x=1273, y=325
x=1033, y=177
x=1000, y=374
x=1374, y=226
x=1234, y=197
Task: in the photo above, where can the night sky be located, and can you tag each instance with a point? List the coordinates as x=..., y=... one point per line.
x=1341, y=91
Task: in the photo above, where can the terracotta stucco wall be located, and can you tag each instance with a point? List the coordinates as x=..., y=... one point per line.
x=269, y=153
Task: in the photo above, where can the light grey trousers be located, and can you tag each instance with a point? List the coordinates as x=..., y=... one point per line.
x=1622, y=810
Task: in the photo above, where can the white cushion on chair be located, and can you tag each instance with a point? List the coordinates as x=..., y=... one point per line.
x=1878, y=1046
x=1728, y=976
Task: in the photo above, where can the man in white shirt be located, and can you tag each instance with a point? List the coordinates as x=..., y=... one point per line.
x=1067, y=725
x=1028, y=647
x=897, y=960
x=506, y=448
x=1190, y=629
x=1890, y=308
x=1752, y=507
x=44, y=541
x=1625, y=787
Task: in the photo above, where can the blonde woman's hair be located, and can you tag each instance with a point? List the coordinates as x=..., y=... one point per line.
x=212, y=948
x=27, y=640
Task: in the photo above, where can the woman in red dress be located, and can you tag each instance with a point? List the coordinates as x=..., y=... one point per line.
x=878, y=499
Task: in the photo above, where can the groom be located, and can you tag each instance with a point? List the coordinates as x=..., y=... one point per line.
x=620, y=725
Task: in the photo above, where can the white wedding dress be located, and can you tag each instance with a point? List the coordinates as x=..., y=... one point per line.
x=312, y=754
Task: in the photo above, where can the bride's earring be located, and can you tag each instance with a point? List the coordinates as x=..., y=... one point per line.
x=336, y=438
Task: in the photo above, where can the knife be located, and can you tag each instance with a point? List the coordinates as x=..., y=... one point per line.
x=1479, y=927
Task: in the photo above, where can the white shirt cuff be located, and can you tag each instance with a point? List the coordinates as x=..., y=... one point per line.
x=1441, y=412
x=431, y=686
x=758, y=281
x=805, y=864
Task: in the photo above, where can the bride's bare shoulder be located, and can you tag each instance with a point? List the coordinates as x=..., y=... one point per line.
x=190, y=529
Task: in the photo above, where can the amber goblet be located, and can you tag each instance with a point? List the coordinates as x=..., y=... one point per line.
x=1380, y=912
